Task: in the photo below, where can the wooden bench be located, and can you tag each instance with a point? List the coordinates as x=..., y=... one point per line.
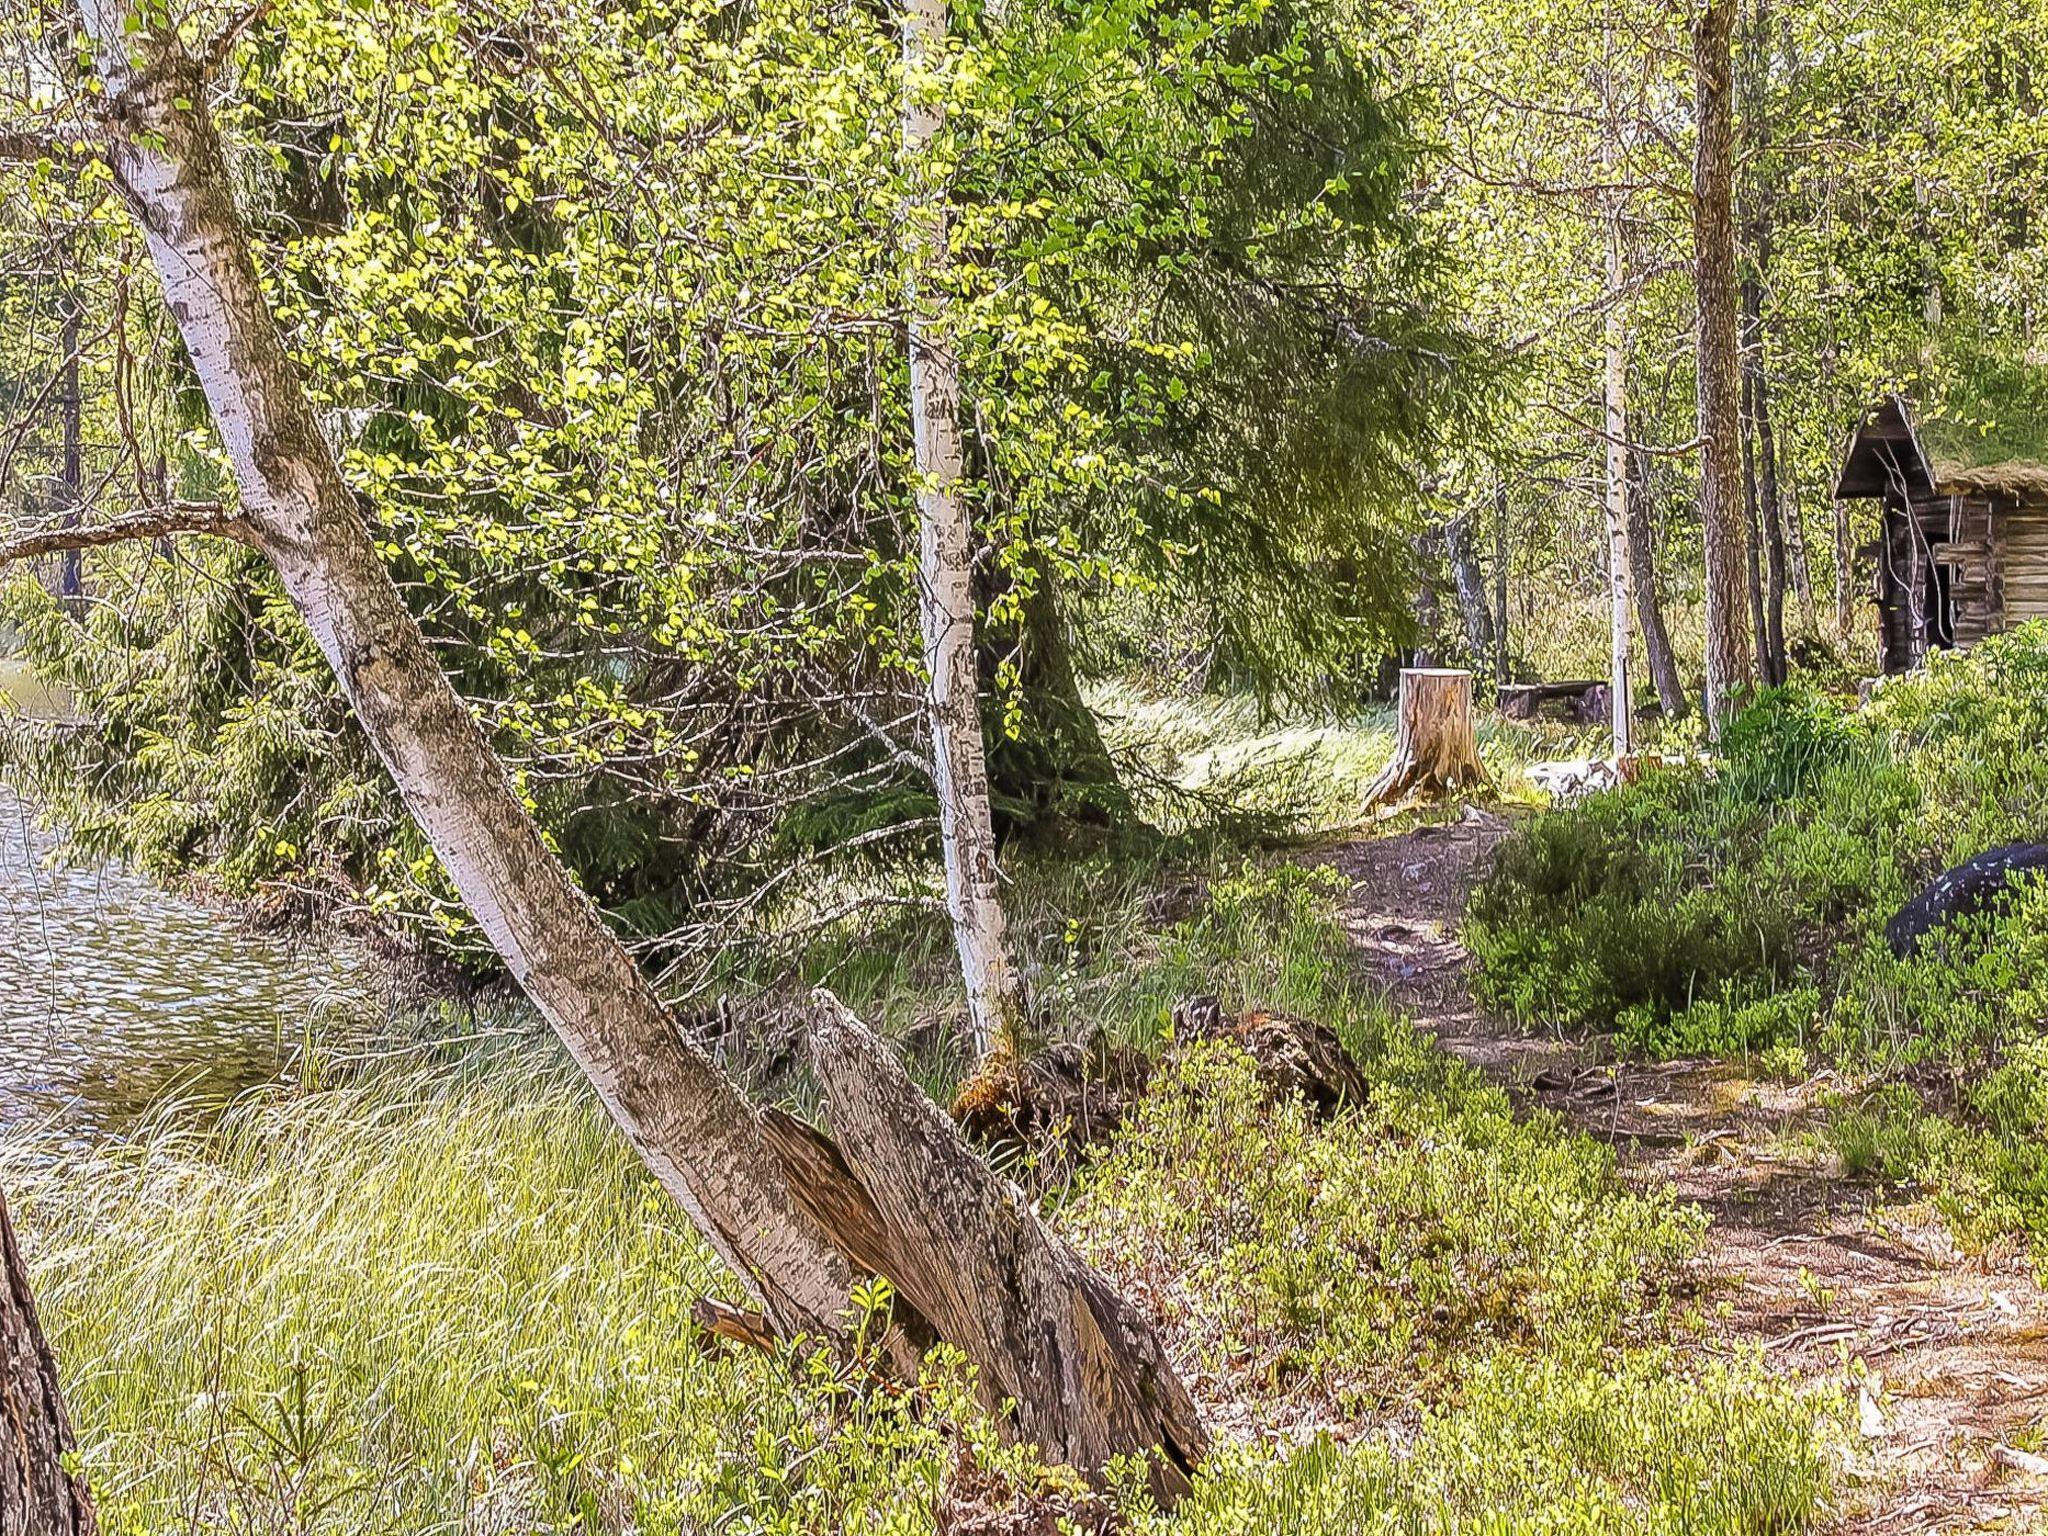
x=1583, y=698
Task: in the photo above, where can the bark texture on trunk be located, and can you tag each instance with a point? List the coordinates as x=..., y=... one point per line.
x=958, y=1233
x=690, y=1124
x=1462, y=557
x=1760, y=468
x=1614, y=393
x=38, y=1497
x=1845, y=573
x=1435, y=747
x=1642, y=561
x=1731, y=657
x=71, y=470
x=1500, y=580
x=782, y=1209
x=998, y=1012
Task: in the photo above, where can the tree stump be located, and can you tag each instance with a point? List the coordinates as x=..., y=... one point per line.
x=38, y=1497
x=1436, y=749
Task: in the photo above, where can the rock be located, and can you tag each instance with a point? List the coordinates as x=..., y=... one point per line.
x=1967, y=889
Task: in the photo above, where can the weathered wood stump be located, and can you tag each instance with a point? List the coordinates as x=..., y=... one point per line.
x=1435, y=748
x=1294, y=1055
x=1078, y=1370
x=38, y=1497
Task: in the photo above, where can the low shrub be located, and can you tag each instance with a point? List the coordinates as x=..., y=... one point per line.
x=1740, y=907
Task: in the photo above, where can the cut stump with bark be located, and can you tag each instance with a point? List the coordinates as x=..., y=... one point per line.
x=1436, y=749
x=39, y=1496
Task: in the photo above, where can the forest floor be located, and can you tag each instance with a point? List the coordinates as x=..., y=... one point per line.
x=1945, y=1353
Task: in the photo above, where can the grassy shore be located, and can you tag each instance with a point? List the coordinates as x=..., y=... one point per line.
x=438, y=1295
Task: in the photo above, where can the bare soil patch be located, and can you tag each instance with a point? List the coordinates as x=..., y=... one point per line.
x=1943, y=1354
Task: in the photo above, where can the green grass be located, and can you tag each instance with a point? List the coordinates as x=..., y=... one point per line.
x=438, y=1295
x=1219, y=756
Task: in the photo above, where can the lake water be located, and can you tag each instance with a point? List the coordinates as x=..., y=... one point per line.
x=116, y=995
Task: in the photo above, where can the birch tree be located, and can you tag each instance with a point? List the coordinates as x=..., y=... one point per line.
x=797, y=1217
x=998, y=1012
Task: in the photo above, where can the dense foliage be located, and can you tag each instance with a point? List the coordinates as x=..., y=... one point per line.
x=1740, y=905
x=603, y=307
x=440, y=1293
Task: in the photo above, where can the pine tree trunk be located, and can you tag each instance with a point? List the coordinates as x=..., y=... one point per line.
x=1731, y=655
x=1642, y=562
x=1435, y=749
x=1614, y=392
x=38, y=1497
x=780, y=1205
x=1760, y=469
x=998, y=1013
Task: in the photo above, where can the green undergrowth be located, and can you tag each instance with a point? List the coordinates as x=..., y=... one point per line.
x=1739, y=909
x=438, y=1294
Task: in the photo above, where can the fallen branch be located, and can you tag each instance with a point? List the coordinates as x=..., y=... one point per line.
x=734, y=1325
x=201, y=517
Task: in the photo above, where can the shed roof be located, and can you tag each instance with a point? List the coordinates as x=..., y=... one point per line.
x=1984, y=429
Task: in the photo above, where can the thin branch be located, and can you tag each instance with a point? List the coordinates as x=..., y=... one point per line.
x=223, y=43
x=201, y=517
x=25, y=144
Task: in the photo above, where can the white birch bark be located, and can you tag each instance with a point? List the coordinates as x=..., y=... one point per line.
x=791, y=1213
x=691, y=1124
x=1621, y=597
x=997, y=1010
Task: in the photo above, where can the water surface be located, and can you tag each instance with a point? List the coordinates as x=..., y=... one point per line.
x=115, y=994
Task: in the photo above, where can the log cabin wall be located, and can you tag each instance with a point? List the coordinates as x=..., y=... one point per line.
x=1939, y=574
x=2024, y=559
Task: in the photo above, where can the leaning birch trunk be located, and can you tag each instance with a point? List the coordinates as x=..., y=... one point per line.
x=1435, y=748
x=996, y=1007
x=1619, y=596
x=691, y=1125
x=1731, y=656
x=775, y=1199
x=38, y=1496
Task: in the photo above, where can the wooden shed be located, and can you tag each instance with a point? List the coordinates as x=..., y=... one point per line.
x=1963, y=551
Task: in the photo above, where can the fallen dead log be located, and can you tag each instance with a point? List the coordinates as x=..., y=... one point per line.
x=1293, y=1054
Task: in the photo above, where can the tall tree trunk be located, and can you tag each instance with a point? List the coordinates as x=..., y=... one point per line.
x=1642, y=563
x=1500, y=579
x=1760, y=471
x=38, y=1497
x=1614, y=392
x=1845, y=573
x=1731, y=656
x=1470, y=583
x=1056, y=769
x=998, y=1012
x=1749, y=512
x=71, y=469
x=778, y=1202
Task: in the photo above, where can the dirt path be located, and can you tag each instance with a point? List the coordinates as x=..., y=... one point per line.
x=1945, y=1354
